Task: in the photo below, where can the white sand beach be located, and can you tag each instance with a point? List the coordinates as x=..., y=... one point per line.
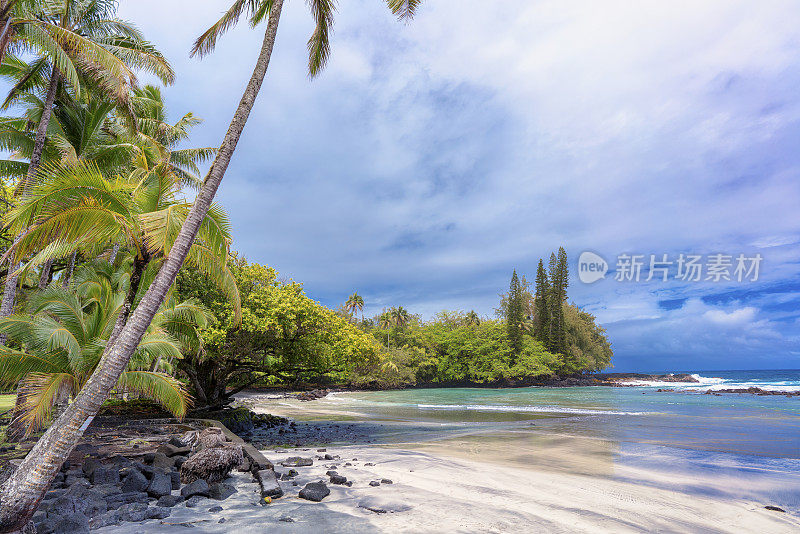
x=437, y=493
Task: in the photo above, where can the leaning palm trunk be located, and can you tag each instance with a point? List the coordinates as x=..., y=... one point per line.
x=70, y=270
x=21, y=493
x=10, y=289
x=44, y=278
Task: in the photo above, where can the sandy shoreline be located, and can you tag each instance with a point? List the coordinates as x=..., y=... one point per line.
x=436, y=493
x=514, y=482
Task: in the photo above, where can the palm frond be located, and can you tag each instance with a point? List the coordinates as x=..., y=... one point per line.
x=404, y=9
x=206, y=43
x=15, y=365
x=40, y=392
x=319, y=45
x=161, y=388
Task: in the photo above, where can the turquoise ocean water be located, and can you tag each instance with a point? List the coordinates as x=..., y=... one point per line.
x=740, y=445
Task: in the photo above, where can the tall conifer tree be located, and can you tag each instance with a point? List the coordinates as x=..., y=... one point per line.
x=560, y=281
x=515, y=315
x=541, y=307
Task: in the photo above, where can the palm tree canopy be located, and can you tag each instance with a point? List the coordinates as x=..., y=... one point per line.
x=86, y=43
x=63, y=334
x=322, y=11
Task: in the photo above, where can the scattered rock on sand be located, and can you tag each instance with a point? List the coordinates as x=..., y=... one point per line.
x=297, y=461
x=338, y=479
x=775, y=508
x=198, y=487
x=215, y=509
x=385, y=481
x=192, y=502
x=289, y=474
x=220, y=491
x=315, y=491
x=268, y=482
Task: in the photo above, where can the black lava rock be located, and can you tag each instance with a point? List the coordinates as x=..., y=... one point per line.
x=134, y=481
x=115, y=501
x=338, y=479
x=168, y=501
x=314, y=491
x=198, y=487
x=194, y=501
x=71, y=524
x=297, y=461
x=221, y=491
x=160, y=485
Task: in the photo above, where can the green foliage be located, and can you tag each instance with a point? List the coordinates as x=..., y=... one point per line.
x=541, y=306
x=559, y=280
x=588, y=348
x=515, y=313
x=62, y=335
x=454, y=347
x=283, y=337
x=7, y=402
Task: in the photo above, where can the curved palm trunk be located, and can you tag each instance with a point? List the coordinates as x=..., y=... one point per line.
x=44, y=278
x=10, y=289
x=69, y=271
x=21, y=493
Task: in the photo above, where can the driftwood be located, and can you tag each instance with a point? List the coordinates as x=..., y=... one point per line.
x=212, y=464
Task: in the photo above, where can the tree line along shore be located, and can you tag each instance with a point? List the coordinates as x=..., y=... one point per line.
x=119, y=278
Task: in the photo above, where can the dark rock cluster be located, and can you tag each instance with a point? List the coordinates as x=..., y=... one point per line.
x=103, y=491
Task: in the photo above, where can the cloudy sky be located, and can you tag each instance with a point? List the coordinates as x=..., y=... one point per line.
x=432, y=158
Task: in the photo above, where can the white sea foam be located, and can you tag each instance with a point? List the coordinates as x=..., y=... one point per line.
x=711, y=383
x=540, y=409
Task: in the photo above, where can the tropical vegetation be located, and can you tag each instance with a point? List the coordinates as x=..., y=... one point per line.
x=118, y=188
x=119, y=278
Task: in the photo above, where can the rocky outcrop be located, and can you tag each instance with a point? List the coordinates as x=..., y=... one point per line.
x=212, y=464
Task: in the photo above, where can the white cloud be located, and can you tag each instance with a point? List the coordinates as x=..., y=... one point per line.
x=432, y=158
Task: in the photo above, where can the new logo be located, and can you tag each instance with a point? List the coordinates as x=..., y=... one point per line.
x=591, y=267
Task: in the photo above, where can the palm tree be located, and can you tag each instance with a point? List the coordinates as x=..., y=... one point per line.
x=386, y=321
x=74, y=208
x=14, y=15
x=355, y=303
x=400, y=316
x=63, y=334
x=22, y=491
x=472, y=318
x=80, y=42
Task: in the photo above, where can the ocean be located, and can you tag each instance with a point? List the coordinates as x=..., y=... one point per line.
x=739, y=445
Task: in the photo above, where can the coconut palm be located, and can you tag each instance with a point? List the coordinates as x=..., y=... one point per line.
x=63, y=337
x=385, y=321
x=354, y=303
x=22, y=491
x=90, y=131
x=77, y=42
x=75, y=207
x=57, y=222
x=400, y=316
